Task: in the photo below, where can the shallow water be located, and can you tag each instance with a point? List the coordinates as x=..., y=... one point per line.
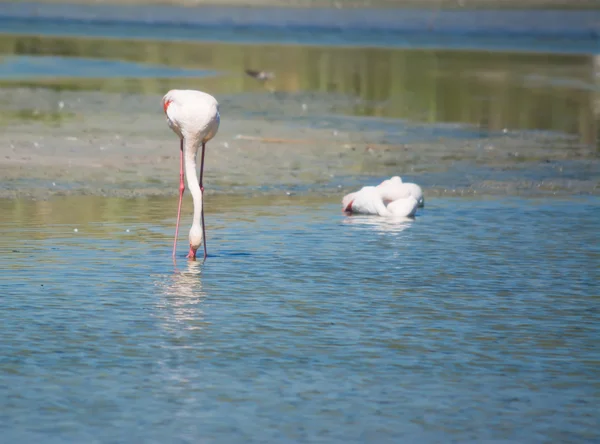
x=476, y=322
x=559, y=30
x=24, y=67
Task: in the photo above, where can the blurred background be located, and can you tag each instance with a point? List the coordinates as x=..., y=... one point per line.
x=466, y=63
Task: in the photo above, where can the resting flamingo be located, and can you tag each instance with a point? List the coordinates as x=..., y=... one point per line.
x=394, y=189
x=194, y=117
x=390, y=198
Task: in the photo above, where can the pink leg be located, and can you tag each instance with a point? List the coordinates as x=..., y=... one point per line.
x=181, y=190
x=202, y=191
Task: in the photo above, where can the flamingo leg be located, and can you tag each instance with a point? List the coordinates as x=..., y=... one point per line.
x=181, y=190
x=202, y=196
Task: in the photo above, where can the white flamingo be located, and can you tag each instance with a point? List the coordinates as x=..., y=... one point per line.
x=389, y=198
x=394, y=189
x=194, y=117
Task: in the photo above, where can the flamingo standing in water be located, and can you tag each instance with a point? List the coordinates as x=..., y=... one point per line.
x=194, y=117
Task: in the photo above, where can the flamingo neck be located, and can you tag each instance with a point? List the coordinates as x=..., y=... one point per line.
x=190, y=151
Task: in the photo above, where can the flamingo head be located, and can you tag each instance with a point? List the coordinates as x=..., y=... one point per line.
x=347, y=202
x=195, y=240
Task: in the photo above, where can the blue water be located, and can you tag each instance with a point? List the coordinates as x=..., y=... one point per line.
x=22, y=67
x=552, y=31
x=477, y=322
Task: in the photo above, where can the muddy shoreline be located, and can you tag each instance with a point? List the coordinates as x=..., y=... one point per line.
x=75, y=142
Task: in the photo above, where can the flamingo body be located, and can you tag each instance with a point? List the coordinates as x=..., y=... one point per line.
x=367, y=201
x=394, y=189
x=194, y=117
x=192, y=114
x=405, y=207
x=390, y=198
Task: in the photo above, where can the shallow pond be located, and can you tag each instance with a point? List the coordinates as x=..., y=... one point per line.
x=476, y=321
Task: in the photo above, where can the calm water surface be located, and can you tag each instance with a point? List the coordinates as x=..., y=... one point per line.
x=477, y=322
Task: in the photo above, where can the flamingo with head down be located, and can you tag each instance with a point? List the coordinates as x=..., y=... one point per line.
x=194, y=117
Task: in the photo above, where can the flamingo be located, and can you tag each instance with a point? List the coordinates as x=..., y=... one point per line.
x=394, y=189
x=194, y=117
x=390, y=198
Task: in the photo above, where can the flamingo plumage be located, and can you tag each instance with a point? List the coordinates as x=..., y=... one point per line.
x=194, y=117
x=393, y=189
x=389, y=198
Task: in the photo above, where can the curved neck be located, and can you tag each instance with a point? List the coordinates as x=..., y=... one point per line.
x=189, y=151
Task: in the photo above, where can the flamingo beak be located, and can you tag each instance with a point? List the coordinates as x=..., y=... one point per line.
x=348, y=209
x=192, y=253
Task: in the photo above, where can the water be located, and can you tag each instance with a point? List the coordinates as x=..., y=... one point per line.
x=52, y=67
x=561, y=30
x=476, y=322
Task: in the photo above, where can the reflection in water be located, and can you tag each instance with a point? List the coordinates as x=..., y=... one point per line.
x=185, y=281
x=183, y=296
x=492, y=90
x=321, y=332
x=381, y=224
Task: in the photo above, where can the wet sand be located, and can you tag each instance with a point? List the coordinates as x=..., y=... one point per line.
x=72, y=142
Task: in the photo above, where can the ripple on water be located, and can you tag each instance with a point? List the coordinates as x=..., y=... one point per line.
x=476, y=321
